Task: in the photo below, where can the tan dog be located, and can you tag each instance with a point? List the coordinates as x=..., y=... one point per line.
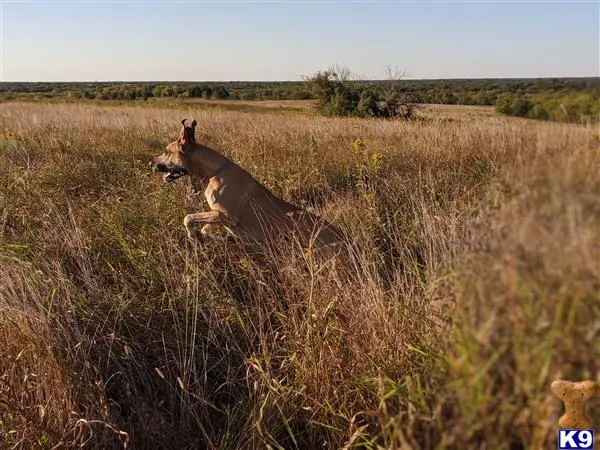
x=239, y=203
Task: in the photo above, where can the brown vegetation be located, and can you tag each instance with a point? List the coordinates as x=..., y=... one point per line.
x=477, y=283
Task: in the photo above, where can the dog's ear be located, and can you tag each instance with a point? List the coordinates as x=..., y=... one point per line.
x=194, y=123
x=187, y=133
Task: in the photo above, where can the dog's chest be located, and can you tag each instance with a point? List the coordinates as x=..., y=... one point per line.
x=214, y=193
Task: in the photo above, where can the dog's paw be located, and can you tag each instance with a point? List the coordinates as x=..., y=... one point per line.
x=194, y=236
x=187, y=222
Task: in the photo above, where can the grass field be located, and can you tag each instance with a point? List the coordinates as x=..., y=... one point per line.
x=477, y=282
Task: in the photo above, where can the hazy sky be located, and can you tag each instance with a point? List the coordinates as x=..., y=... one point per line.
x=282, y=40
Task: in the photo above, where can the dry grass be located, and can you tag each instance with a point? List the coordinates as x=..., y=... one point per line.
x=476, y=283
x=297, y=105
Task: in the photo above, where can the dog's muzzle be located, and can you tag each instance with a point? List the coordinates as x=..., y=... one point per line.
x=171, y=173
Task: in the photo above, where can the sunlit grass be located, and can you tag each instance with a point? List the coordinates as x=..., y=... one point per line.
x=473, y=282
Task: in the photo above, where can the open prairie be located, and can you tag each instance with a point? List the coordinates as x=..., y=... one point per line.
x=475, y=282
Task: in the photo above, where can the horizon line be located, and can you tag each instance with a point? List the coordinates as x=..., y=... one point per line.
x=302, y=81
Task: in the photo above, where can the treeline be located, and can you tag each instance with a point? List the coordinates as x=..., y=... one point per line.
x=573, y=107
x=145, y=90
x=557, y=99
x=455, y=92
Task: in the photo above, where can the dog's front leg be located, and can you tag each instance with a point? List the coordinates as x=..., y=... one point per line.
x=211, y=219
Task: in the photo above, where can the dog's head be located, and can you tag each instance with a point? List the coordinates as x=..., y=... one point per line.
x=172, y=161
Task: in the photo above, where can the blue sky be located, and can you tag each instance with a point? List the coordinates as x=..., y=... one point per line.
x=283, y=40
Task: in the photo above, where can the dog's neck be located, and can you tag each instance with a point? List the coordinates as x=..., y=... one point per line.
x=205, y=162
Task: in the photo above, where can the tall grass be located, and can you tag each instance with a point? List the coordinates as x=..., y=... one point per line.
x=474, y=283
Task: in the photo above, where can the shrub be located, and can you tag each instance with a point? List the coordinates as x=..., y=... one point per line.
x=367, y=105
x=338, y=95
x=521, y=107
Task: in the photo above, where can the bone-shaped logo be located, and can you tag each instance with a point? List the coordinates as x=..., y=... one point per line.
x=575, y=395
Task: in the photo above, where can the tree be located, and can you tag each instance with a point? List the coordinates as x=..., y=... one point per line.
x=396, y=102
x=504, y=103
x=207, y=92
x=222, y=93
x=521, y=107
x=335, y=94
x=367, y=105
x=195, y=91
